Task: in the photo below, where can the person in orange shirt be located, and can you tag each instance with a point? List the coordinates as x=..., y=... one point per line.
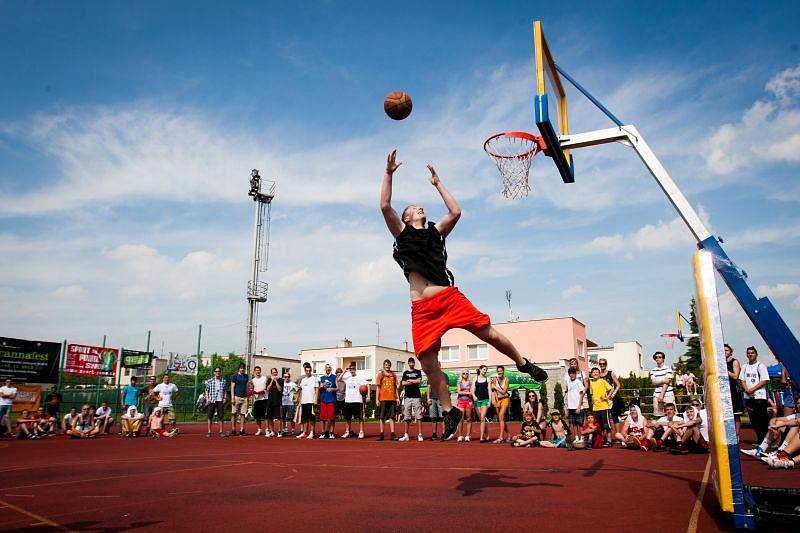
x=387, y=398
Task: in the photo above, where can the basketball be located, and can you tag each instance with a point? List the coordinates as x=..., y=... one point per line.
x=363, y=389
x=397, y=105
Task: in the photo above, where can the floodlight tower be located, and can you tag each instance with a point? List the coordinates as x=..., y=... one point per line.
x=262, y=191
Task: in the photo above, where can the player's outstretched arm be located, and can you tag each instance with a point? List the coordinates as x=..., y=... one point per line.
x=448, y=221
x=391, y=217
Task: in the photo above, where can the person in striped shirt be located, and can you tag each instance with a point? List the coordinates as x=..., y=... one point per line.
x=661, y=378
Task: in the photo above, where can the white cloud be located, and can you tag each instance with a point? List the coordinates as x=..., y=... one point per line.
x=766, y=133
x=781, y=290
x=69, y=291
x=569, y=292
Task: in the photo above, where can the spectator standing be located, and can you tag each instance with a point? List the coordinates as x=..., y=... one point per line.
x=601, y=390
x=215, y=400
x=582, y=377
x=309, y=393
x=53, y=403
x=387, y=400
x=661, y=378
x=482, y=401
x=239, y=400
x=340, y=396
x=788, y=393
x=327, y=403
x=465, y=404
x=754, y=378
x=130, y=395
x=274, y=400
x=7, y=394
x=353, y=400
x=734, y=371
x=434, y=412
x=575, y=393
x=166, y=393
x=616, y=405
x=502, y=401
x=412, y=400
x=288, y=404
x=260, y=400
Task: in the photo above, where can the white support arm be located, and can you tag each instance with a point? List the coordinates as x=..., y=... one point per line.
x=629, y=135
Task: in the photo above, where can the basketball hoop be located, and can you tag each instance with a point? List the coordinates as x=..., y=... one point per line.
x=513, y=152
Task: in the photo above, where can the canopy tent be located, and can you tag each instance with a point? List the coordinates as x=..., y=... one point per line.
x=516, y=380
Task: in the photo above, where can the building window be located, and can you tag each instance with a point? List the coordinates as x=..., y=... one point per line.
x=477, y=352
x=449, y=353
x=580, y=347
x=317, y=367
x=360, y=364
x=400, y=366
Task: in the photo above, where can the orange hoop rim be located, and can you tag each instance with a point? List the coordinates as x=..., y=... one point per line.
x=538, y=144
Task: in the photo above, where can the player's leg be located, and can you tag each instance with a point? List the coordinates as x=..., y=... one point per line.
x=438, y=382
x=501, y=343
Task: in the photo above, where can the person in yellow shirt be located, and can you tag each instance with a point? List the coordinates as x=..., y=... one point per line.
x=601, y=405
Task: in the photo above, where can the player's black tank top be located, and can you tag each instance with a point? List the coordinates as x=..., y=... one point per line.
x=482, y=390
x=423, y=251
x=734, y=383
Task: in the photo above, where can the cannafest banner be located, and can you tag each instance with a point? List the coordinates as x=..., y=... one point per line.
x=86, y=360
x=27, y=361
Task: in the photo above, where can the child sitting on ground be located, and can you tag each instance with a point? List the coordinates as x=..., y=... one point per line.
x=559, y=429
x=529, y=433
x=156, y=425
x=591, y=434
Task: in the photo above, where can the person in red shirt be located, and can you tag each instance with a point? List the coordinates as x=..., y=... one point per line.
x=592, y=434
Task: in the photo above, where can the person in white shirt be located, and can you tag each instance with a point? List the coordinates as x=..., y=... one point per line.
x=695, y=431
x=353, y=401
x=575, y=392
x=661, y=378
x=103, y=419
x=667, y=430
x=259, y=399
x=309, y=392
x=288, y=404
x=7, y=395
x=131, y=422
x=754, y=378
x=69, y=418
x=166, y=393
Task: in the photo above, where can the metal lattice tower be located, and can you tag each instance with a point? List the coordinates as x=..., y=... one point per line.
x=262, y=191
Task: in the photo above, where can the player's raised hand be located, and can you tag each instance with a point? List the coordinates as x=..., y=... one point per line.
x=391, y=162
x=434, y=176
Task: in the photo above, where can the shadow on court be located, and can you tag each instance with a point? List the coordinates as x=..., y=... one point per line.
x=491, y=479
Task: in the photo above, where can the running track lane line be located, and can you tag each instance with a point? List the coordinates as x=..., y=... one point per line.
x=76, y=481
x=698, y=504
x=35, y=516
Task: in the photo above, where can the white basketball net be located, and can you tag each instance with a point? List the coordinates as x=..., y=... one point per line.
x=513, y=153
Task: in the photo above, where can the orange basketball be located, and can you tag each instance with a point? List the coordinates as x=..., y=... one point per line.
x=397, y=105
x=363, y=389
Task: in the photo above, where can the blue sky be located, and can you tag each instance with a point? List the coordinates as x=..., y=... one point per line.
x=127, y=133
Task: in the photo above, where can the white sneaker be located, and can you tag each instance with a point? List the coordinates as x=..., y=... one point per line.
x=301, y=435
x=404, y=438
x=259, y=432
x=346, y=435
x=310, y=435
x=420, y=438
x=331, y=435
x=322, y=436
x=751, y=453
x=280, y=434
x=360, y=434
x=466, y=439
x=460, y=439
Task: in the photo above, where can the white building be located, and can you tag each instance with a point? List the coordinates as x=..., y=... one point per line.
x=623, y=358
x=368, y=359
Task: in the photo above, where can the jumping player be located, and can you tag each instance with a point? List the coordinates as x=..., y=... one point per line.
x=436, y=304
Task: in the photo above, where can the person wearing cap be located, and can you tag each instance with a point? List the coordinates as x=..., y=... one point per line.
x=559, y=430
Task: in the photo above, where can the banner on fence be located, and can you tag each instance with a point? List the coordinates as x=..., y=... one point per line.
x=86, y=360
x=28, y=397
x=183, y=364
x=29, y=361
x=135, y=359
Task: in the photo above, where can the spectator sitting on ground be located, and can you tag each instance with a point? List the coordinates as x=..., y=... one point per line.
x=156, y=425
x=131, y=422
x=45, y=424
x=634, y=430
x=782, y=427
x=26, y=426
x=103, y=418
x=82, y=424
x=695, y=433
x=69, y=418
x=667, y=433
x=559, y=429
x=787, y=456
x=591, y=434
x=529, y=433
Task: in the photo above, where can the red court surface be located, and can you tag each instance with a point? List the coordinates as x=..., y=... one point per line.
x=192, y=483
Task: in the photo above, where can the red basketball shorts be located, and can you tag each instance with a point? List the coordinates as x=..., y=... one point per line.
x=327, y=411
x=432, y=317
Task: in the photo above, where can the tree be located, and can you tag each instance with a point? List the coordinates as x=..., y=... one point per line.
x=558, y=403
x=692, y=358
x=543, y=398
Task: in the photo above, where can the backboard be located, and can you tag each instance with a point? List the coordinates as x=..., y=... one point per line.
x=550, y=105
